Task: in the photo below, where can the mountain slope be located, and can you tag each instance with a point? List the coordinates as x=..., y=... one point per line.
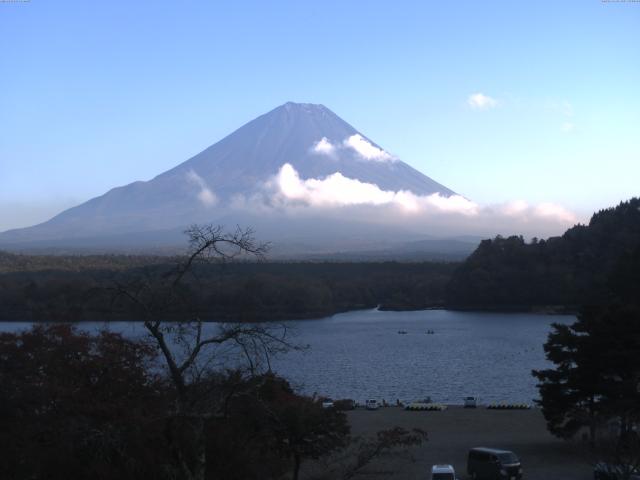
x=311, y=138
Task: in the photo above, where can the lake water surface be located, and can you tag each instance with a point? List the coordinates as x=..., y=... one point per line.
x=361, y=355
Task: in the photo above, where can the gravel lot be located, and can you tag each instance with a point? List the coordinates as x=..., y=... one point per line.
x=453, y=431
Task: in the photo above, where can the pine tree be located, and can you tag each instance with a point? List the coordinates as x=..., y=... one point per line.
x=596, y=378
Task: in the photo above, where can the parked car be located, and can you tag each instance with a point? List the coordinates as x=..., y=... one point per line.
x=443, y=472
x=327, y=403
x=371, y=404
x=493, y=464
x=344, y=404
x=470, y=402
x=608, y=471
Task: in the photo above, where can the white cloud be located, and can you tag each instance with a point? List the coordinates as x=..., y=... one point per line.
x=336, y=190
x=554, y=212
x=480, y=101
x=515, y=208
x=324, y=147
x=524, y=212
x=205, y=195
x=340, y=196
x=567, y=127
x=353, y=201
x=366, y=150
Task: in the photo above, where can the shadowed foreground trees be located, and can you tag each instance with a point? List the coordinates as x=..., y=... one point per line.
x=74, y=405
x=267, y=420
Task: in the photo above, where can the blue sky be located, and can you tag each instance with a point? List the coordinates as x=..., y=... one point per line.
x=99, y=94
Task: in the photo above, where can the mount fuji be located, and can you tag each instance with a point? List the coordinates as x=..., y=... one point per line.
x=297, y=154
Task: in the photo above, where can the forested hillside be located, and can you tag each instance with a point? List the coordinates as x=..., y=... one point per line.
x=566, y=271
x=82, y=288
x=11, y=262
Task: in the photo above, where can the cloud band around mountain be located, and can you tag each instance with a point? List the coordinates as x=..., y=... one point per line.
x=341, y=196
x=336, y=190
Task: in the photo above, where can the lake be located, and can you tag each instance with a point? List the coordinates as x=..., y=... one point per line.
x=361, y=355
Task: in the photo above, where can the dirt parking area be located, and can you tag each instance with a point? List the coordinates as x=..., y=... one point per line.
x=453, y=431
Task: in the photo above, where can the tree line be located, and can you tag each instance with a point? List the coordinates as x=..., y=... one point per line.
x=565, y=272
x=240, y=290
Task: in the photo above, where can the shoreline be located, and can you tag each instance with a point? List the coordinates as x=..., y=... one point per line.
x=538, y=310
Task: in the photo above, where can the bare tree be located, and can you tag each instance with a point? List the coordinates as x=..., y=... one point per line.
x=362, y=452
x=190, y=348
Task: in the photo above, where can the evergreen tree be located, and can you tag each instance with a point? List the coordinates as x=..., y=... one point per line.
x=596, y=378
x=569, y=393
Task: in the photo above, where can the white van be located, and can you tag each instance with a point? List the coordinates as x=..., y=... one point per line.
x=443, y=472
x=371, y=404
